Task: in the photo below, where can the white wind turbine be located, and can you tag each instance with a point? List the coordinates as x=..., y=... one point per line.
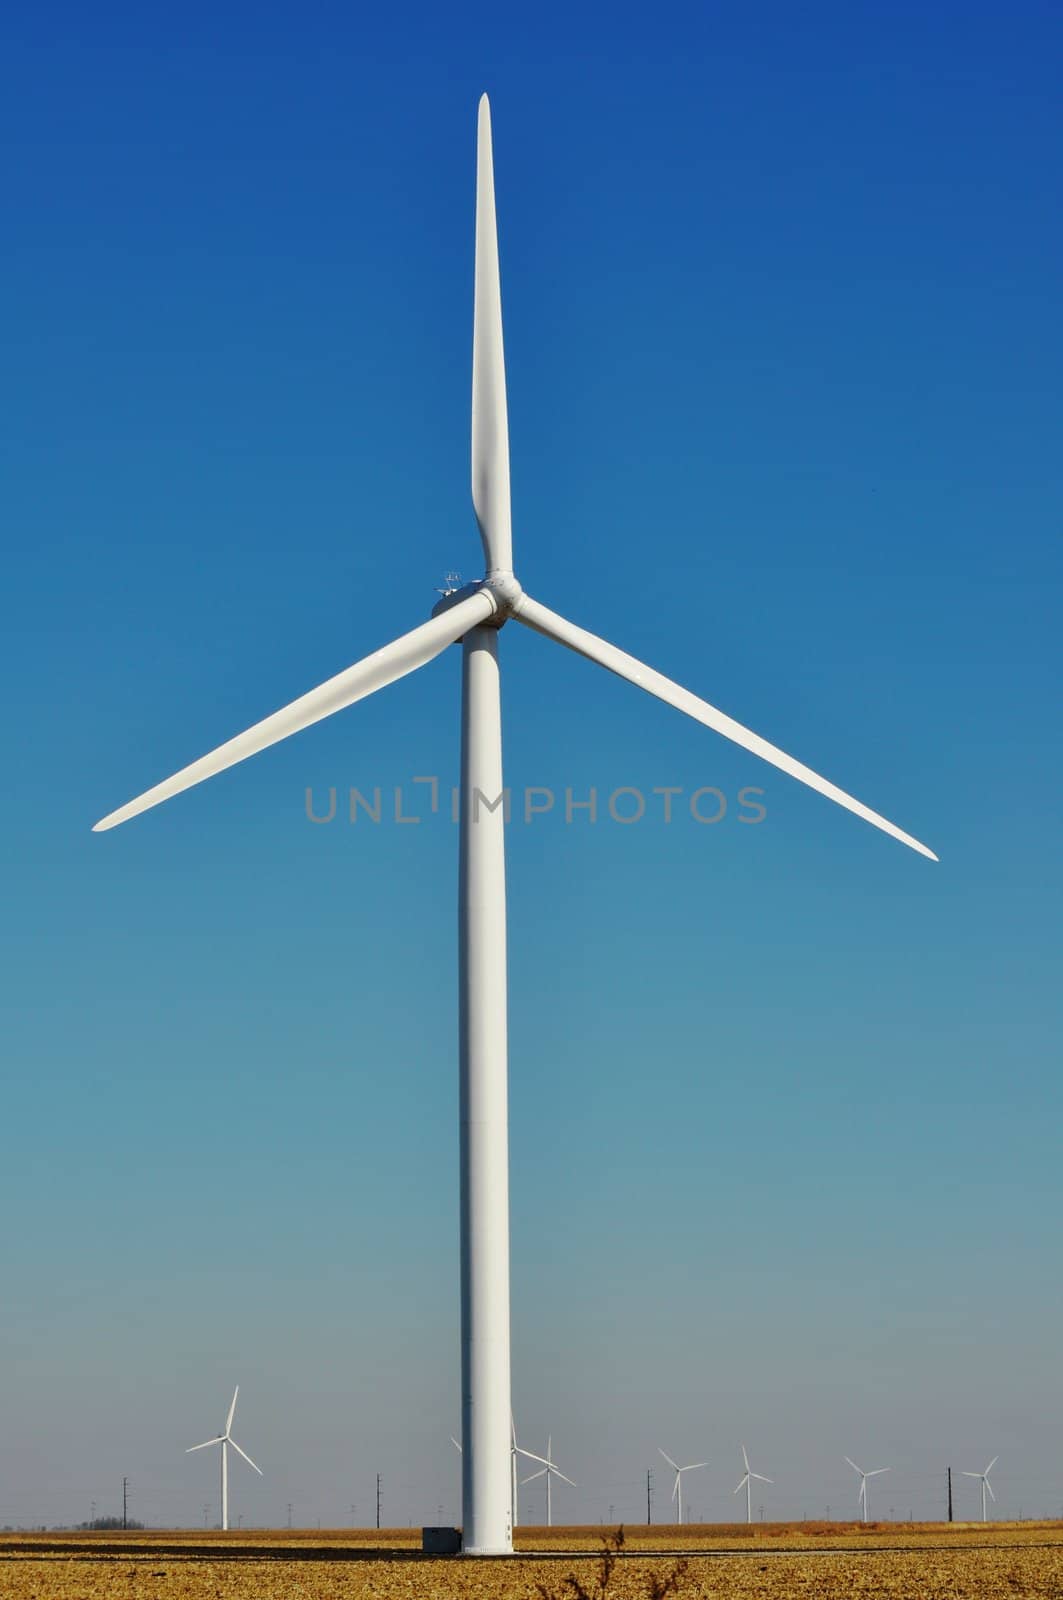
x=548, y=1471
x=984, y=1476
x=745, y=1484
x=475, y=614
x=677, y=1487
x=863, y=1483
x=225, y=1440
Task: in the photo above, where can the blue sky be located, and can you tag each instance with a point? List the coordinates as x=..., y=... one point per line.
x=783, y=343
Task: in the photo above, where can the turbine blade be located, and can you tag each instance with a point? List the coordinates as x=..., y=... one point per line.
x=675, y=1486
x=232, y=1411
x=877, y=1472
x=455, y=1443
x=490, y=428
x=745, y=1458
x=245, y=1455
x=532, y=1476
x=761, y=1478
x=205, y=1445
x=991, y=1465
x=852, y=1464
x=668, y=1458
x=555, y=627
x=972, y=1474
x=559, y=1474
x=692, y=1465
x=989, y=1486
x=532, y=1456
x=384, y=666
x=742, y=1485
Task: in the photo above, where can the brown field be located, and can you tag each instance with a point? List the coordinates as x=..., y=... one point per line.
x=898, y=1561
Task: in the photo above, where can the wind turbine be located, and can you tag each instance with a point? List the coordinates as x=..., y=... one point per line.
x=225, y=1440
x=677, y=1487
x=548, y=1471
x=984, y=1476
x=746, y=1485
x=475, y=614
x=516, y=1450
x=863, y=1483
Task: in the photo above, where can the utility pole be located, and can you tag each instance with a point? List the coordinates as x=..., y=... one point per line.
x=649, y=1496
x=125, y=1502
x=378, y=1499
x=950, y=1493
x=289, y=1513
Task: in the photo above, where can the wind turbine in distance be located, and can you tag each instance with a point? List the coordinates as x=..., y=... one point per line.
x=475, y=615
x=547, y=1470
x=677, y=1487
x=516, y=1450
x=863, y=1482
x=984, y=1476
x=225, y=1440
x=745, y=1484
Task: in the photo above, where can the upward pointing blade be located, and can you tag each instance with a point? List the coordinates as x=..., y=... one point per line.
x=232, y=1411
x=490, y=426
x=587, y=644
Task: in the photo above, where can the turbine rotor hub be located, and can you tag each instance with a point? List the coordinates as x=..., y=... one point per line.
x=505, y=590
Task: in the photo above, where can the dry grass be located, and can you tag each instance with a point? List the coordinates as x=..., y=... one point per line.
x=782, y=1562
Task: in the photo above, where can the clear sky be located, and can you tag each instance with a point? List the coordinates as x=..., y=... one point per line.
x=783, y=335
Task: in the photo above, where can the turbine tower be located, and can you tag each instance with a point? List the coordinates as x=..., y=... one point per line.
x=745, y=1484
x=475, y=615
x=984, y=1477
x=548, y=1471
x=863, y=1484
x=677, y=1487
x=225, y=1440
x=515, y=1450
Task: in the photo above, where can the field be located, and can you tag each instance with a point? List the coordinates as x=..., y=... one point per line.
x=899, y=1561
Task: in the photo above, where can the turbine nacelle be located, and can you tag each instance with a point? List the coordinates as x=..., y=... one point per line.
x=501, y=588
